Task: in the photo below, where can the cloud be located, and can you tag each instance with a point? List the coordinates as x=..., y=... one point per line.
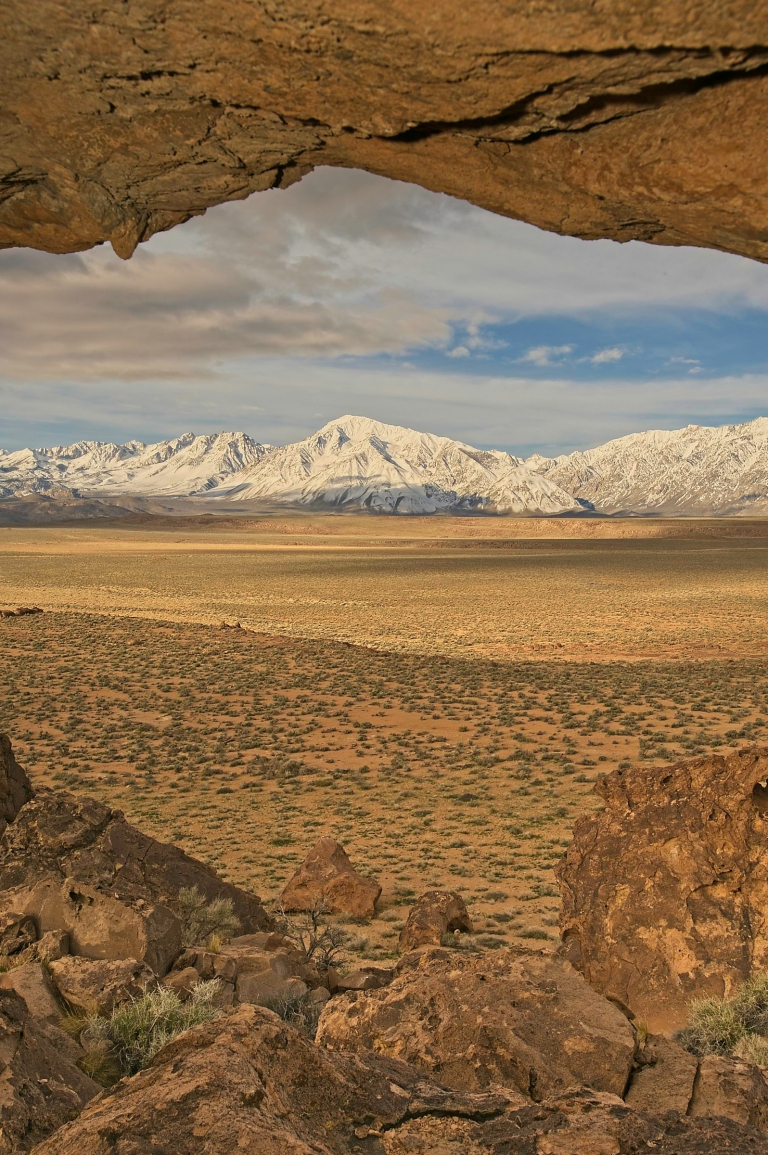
x=459, y=351
x=607, y=355
x=546, y=354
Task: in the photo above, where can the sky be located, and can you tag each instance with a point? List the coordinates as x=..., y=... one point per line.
x=350, y=293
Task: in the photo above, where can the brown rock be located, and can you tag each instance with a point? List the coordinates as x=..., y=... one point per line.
x=283, y=1094
x=33, y=986
x=100, y=984
x=631, y=121
x=78, y=867
x=432, y=915
x=515, y=1018
x=182, y=982
x=52, y=945
x=17, y=932
x=327, y=875
x=663, y=891
x=365, y=979
x=665, y=1080
x=730, y=1088
x=15, y=787
x=41, y=1086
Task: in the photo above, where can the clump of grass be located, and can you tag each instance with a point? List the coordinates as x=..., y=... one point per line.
x=300, y=1010
x=135, y=1031
x=736, y=1026
x=202, y=921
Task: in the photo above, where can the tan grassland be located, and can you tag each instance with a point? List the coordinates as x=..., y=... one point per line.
x=495, y=672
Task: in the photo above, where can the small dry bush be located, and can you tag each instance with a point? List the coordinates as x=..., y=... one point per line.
x=736, y=1026
x=132, y=1035
x=300, y=1010
x=320, y=941
x=202, y=921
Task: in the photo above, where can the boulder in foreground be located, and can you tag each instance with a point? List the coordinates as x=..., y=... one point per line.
x=327, y=876
x=283, y=1094
x=663, y=891
x=519, y=1018
x=15, y=787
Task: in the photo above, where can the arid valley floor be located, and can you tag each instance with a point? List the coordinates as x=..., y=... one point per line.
x=437, y=693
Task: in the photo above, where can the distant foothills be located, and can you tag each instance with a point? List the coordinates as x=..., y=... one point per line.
x=356, y=463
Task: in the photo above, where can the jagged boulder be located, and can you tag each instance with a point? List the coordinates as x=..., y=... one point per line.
x=31, y=982
x=732, y=1089
x=74, y=865
x=664, y=1078
x=434, y=914
x=326, y=875
x=41, y=1087
x=15, y=787
x=519, y=1018
x=283, y=1094
x=99, y=984
x=664, y=891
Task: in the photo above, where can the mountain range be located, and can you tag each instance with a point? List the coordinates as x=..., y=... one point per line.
x=355, y=462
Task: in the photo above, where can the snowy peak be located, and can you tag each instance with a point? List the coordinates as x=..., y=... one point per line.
x=355, y=462
x=698, y=469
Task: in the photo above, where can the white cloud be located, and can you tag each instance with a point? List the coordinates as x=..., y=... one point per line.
x=459, y=351
x=607, y=355
x=546, y=354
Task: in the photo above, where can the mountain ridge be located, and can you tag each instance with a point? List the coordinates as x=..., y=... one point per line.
x=356, y=462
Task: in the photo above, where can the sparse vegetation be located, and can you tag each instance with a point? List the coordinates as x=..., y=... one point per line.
x=205, y=922
x=321, y=941
x=736, y=1026
x=129, y=1039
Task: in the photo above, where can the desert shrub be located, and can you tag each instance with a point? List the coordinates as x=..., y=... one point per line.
x=201, y=920
x=300, y=1010
x=136, y=1030
x=735, y=1026
x=321, y=942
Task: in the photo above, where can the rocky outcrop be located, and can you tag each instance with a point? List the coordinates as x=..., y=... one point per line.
x=664, y=891
x=99, y=984
x=731, y=1089
x=664, y=1078
x=327, y=876
x=74, y=865
x=32, y=983
x=281, y=1093
x=15, y=787
x=518, y=1018
x=637, y=121
x=259, y=968
x=41, y=1087
x=435, y=913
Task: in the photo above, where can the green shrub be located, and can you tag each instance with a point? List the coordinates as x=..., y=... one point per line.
x=200, y=919
x=136, y=1030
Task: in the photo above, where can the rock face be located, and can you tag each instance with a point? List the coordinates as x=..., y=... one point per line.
x=522, y=1019
x=635, y=121
x=731, y=1089
x=665, y=1079
x=15, y=787
x=665, y=891
x=326, y=875
x=40, y=1085
x=99, y=984
x=283, y=1094
x=76, y=866
x=434, y=914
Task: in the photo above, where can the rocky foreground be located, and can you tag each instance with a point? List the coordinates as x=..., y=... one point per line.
x=510, y=1052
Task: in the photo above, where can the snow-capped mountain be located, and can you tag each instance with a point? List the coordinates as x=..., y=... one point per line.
x=699, y=469
x=358, y=462
x=352, y=462
x=186, y=465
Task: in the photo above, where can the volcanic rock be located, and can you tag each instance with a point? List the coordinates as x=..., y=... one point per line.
x=100, y=984
x=31, y=983
x=40, y=1085
x=631, y=121
x=664, y=1081
x=76, y=866
x=434, y=914
x=283, y=1094
x=15, y=787
x=732, y=1089
x=663, y=891
x=365, y=979
x=518, y=1018
x=326, y=875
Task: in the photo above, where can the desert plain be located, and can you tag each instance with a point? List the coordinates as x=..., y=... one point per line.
x=437, y=693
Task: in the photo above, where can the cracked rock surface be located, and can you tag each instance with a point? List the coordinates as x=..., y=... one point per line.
x=630, y=119
x=249, y=1082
